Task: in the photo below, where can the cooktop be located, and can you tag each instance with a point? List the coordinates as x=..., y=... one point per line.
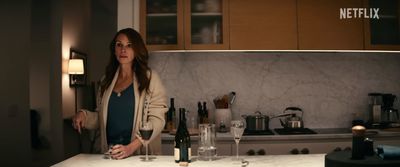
x=294, y=131
x=257, y=132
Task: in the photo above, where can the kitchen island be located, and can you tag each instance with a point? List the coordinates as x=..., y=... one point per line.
x=325, y=141
x=310, y=160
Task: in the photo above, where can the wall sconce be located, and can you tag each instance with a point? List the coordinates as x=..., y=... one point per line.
x=75, y=67
x=76, y=71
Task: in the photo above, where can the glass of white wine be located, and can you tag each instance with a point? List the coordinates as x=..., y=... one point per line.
x=237, y=129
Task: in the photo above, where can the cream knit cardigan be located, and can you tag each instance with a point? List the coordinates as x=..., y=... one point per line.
x=151, y=105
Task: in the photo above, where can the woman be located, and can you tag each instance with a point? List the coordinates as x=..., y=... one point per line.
x=127, y=84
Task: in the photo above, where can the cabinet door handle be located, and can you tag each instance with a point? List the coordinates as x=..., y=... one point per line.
x=251, y=152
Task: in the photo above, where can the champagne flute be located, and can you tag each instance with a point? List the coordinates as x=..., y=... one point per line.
x=146, y=130
x=237, y=129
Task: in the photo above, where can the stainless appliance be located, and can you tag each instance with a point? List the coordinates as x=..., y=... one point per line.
x=257, y=122
x=292, y=120
x=293, y=124
x=389, y=114
x=374, y=115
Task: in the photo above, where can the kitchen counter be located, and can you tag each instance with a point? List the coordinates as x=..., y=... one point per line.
x=311, y=160
x=333, y=133
x=325, y=141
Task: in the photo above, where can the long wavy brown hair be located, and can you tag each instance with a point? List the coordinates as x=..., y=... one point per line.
x=139, y=65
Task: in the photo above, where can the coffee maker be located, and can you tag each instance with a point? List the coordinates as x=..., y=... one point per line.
x=375, y=109
x=390, y=115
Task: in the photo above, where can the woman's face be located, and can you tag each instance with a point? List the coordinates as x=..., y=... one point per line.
x=124, y=49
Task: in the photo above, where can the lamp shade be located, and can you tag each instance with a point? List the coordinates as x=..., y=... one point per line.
x=75, y=66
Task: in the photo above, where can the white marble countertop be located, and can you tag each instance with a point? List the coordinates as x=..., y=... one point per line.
x=96, y=160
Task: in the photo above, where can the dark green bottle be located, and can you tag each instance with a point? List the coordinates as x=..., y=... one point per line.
x=182, y=150
x=171, y=116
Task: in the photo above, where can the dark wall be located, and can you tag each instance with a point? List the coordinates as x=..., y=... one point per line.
x=45, y=78
x=14, y=98
x=103, y=28
x=31, y=32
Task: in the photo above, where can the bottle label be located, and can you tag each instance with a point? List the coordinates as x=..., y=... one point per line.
x=189, y=154
x=176, y=154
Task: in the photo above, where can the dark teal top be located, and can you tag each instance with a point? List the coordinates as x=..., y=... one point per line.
x=120, y=116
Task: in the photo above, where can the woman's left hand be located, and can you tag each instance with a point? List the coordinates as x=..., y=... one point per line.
x=120, y=151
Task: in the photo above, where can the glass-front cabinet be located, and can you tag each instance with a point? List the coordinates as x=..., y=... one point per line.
x=207, y=24
x=184, y=24
x=383, y=33
x=161, y=24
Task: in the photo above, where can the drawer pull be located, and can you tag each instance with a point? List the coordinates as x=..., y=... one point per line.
x=337, y=149
x=251, y=152
x=294, y=151
x=305, y=151
x=261, y=152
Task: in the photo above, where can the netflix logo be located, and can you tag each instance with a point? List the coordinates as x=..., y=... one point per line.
x=356, y=13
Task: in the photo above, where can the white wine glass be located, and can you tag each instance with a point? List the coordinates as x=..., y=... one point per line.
x=237, y=129
x=146, y=130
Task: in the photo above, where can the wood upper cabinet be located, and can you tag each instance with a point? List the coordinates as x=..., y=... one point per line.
x=184, y=24
x=320, y=26
x=161, y=24
x=263, y=24
x=206, y=24
x=267, y=25
x=383, y=33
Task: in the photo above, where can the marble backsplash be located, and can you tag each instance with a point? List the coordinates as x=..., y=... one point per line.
x=331, y=87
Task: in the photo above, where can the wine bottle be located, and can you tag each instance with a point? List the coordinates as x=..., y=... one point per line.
x=200, y=113
x=171, y=116
x=182, y=150
x=205, y=111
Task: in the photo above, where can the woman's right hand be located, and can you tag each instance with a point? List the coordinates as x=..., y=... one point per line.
x=78, y=121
